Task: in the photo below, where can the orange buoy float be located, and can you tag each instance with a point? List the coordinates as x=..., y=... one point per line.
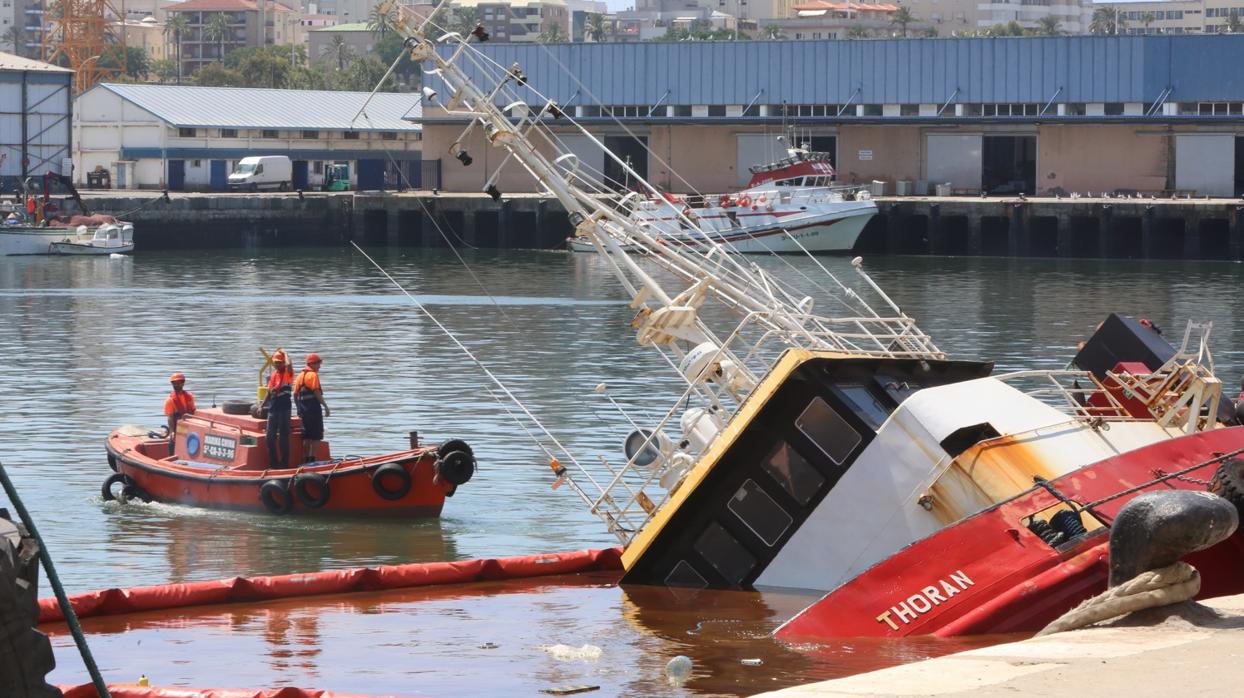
x=745, y=201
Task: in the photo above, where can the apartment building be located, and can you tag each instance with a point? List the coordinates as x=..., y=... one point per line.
x=252, y=23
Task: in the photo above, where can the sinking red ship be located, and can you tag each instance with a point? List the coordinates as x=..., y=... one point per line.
x=220, y=460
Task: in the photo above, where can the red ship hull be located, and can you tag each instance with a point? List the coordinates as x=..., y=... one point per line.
x=220, y=462
x=990, y=574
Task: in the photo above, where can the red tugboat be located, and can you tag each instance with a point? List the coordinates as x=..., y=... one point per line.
x=218, y=459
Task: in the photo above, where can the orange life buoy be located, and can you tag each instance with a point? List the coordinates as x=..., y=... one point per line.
x=745, y=201
x=724, y=201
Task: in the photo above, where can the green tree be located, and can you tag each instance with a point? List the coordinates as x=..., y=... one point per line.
x=302, y=77
x=164, y=70
x=11, y=38
x=774, y=32
x=263, y=69
x=1233, y=22
x=378, y=21
x=930, y=33
x=1049, y=25
x=856, y=32
x=552, y=33
x=176, y=27
x=901, y=18
x=217, y=75
x=218, y=29
x=362, y=75
x=595, y=27
x=1107, y=20
x=136, y=60
x=1147, y=18
x=388, y=49
x=465, y=19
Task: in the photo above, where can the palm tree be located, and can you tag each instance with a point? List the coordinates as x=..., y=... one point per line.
x=340, y=51
x=1147, y=18
x=552, y=33
x=378, y=22
x=218, y=29
x=176, y=26
x=595, y=27
x=901, y=19
x=1107, y=20
x=1049, y=26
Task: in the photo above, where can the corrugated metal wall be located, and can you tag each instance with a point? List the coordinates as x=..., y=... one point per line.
x=913, y=71
x=34, y=106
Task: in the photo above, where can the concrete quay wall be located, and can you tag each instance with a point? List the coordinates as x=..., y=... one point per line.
x=1129, y=228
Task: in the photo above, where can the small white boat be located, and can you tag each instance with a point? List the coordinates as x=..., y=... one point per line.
x=789, y=206
x=110, y=238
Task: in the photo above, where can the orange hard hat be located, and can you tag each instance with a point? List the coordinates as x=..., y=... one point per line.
x=178, y=377
x=313, y=358
x=278, y=357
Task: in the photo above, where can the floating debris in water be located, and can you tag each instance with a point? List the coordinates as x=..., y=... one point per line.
x=678, y=669
x=569, y=690
x=588, y=653
x=489, y=646
x=752, y=661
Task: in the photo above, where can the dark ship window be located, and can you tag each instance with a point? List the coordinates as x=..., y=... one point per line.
x=863, y=403
x=725, y=554
x=828, y=430
x=789, y=470
x=684, y=575
x=757, y=510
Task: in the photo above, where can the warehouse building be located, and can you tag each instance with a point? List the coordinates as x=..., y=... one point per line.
x=35, y=106
x=189, y=138
x=1150, y=114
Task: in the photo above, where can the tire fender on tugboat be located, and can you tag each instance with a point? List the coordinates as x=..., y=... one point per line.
x=455, y=467
x=276, y=497
x=312, y=490
x=391, y=470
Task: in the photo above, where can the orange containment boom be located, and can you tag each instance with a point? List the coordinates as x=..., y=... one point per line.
x=243, y=589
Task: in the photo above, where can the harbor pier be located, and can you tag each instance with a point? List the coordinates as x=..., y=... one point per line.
x=1094, y=228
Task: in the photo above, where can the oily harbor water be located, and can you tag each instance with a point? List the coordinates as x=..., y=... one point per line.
x=90, y=343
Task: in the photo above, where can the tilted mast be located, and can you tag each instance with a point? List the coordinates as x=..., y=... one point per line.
x=720, y=365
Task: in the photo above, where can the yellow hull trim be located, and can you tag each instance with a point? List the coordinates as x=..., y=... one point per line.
x=790, y=360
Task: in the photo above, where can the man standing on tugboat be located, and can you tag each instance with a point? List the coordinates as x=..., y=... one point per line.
x=280, y=407
x=309, y=397
x=178, y=404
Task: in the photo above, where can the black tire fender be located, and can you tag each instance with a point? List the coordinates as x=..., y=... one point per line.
x=312, y=490
x=113, y=479
x=453, y=445
x=112, y=462
x=276, y=497
x=1228, y=483
x=132, y=492
x=391, y=470
x=456, y=467
x=235, y=407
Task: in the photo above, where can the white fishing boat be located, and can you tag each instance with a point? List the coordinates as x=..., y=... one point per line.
x=37, y=225
x=791, y=206
x=110, y=238
x=826, y=443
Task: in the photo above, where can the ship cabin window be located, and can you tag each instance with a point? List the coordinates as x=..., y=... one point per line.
x=863, y=403
x=793, y=474
x=726, y=554
x=756, y=510
x=897, y=388
x=684, y=575
x=828, y=430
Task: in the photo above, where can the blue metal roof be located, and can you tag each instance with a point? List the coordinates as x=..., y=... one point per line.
x=243, y=107
x=899, y=71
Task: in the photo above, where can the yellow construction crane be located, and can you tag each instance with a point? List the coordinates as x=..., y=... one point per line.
x=79, y=33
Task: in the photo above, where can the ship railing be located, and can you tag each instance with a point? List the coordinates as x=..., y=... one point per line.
x=1077, y=392
x=772, y=194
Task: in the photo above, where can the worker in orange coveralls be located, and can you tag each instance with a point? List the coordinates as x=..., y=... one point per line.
x=179, y=403
x=309, y=398
x=280, y=409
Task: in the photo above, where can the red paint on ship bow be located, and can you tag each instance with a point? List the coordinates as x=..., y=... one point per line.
x=991, y=574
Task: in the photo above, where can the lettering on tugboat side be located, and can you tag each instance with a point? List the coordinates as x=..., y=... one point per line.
x=219, y=447
x=924, y=600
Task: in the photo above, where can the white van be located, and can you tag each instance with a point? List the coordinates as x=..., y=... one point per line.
x=262, y=171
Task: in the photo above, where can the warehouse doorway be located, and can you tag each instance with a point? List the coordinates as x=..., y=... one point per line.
x=632, y=150
x=1009, y=164
x=176, y=175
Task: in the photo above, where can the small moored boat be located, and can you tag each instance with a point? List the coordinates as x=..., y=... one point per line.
x=790, y=207
x=219, y=459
